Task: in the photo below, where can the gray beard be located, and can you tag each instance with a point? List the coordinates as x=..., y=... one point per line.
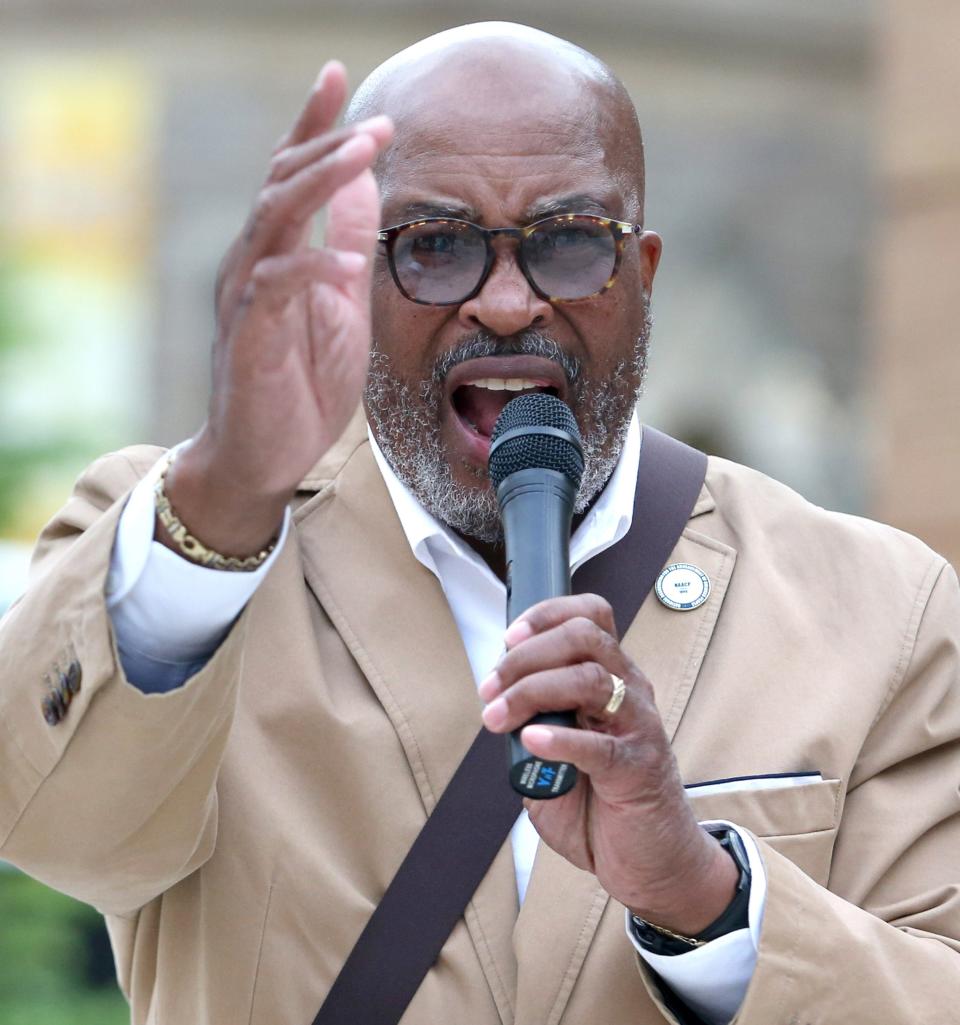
x=407, y=425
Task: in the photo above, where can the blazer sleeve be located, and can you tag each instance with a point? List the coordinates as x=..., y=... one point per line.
x=112, y=799
x=881, y=942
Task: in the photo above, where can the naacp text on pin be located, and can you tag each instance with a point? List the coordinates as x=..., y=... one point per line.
x=683, y=587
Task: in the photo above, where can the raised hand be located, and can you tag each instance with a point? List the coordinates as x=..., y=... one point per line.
x=293, y=328
x=627, y=819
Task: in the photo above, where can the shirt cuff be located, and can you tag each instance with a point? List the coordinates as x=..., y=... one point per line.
x=169, y=615
x=712, y=980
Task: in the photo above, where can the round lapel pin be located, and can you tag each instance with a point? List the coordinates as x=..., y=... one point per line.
x=683, y=587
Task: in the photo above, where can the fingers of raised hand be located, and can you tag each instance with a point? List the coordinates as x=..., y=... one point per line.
x=354, y=216
x=326, y=97
x=283, y=208
x=293, y=158
x=311, y=162
x=277, y=279
x=280, y=221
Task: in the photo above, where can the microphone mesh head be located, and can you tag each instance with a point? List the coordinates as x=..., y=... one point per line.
x=529, y=450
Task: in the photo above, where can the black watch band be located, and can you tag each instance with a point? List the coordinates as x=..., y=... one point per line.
x=658, y=940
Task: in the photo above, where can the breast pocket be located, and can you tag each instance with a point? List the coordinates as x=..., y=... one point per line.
x=799, y=820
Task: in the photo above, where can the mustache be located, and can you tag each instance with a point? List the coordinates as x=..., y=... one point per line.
x=526, y=343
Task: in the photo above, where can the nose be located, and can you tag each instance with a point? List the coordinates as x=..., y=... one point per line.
x=506, y=304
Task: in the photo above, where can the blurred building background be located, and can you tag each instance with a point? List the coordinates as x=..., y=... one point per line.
x=803, y=168
x=913, y=359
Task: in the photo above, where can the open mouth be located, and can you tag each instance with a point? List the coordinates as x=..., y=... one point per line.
x=479, y=389
x=480, y=403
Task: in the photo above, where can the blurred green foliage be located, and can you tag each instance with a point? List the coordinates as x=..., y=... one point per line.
x=27, y=467
x=88, y=1009
x=23, y=471
x=14, y=460
x=7, y=306
x=55, y=961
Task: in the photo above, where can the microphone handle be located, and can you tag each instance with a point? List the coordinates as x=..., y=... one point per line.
x=536, y=507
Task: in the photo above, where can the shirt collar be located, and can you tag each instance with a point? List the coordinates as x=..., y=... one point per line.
x=607, y=522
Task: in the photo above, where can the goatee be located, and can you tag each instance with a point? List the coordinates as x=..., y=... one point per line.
x=406, y=423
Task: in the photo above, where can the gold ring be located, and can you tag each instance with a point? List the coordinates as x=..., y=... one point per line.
x=616, y=698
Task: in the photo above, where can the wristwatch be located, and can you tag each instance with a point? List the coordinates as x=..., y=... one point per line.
x=658, y=940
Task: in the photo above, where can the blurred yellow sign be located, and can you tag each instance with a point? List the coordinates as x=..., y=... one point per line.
x=76, y=145
x=76, y=154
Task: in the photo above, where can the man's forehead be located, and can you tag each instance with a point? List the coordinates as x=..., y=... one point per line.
x=512, y=155
x=509, y=177
x=507, y=135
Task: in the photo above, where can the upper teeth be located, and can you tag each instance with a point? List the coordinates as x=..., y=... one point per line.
x=505, y=383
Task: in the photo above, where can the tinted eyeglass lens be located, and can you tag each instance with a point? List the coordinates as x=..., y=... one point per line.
x=570, y=258
x=440, y=261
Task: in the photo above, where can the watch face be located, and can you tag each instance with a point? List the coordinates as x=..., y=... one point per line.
x=736, y=915
x=731, y=841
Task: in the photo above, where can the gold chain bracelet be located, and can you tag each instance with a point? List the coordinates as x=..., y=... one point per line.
x=197, y=551
x=664, y=931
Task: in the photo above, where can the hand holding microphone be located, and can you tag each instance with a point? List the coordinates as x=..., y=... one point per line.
x=628, y=820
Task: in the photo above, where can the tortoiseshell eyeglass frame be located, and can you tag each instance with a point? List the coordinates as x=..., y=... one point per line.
x=619, y=230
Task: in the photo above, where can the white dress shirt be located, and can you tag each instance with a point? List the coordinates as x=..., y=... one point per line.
x=149, y=587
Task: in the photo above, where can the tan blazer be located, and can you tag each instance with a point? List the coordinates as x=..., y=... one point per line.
x=238, y=832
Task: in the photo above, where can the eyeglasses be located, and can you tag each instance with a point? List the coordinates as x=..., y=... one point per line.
x=442, y=261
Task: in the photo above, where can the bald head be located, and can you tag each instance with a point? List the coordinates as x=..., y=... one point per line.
x=469, y=80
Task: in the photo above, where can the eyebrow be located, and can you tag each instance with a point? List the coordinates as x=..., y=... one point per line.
x=575, y=203
x=425, y=208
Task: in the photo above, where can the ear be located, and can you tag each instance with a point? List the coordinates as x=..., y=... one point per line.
x=651, y=245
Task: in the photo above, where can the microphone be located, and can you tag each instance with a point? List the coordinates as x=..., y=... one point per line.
x=535, y=465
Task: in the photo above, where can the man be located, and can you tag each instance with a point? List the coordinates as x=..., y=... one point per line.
x=236, y=762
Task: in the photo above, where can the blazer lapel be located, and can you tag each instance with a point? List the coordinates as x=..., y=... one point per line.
x=670, y=645
x=393, y=616
x=564, y=905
